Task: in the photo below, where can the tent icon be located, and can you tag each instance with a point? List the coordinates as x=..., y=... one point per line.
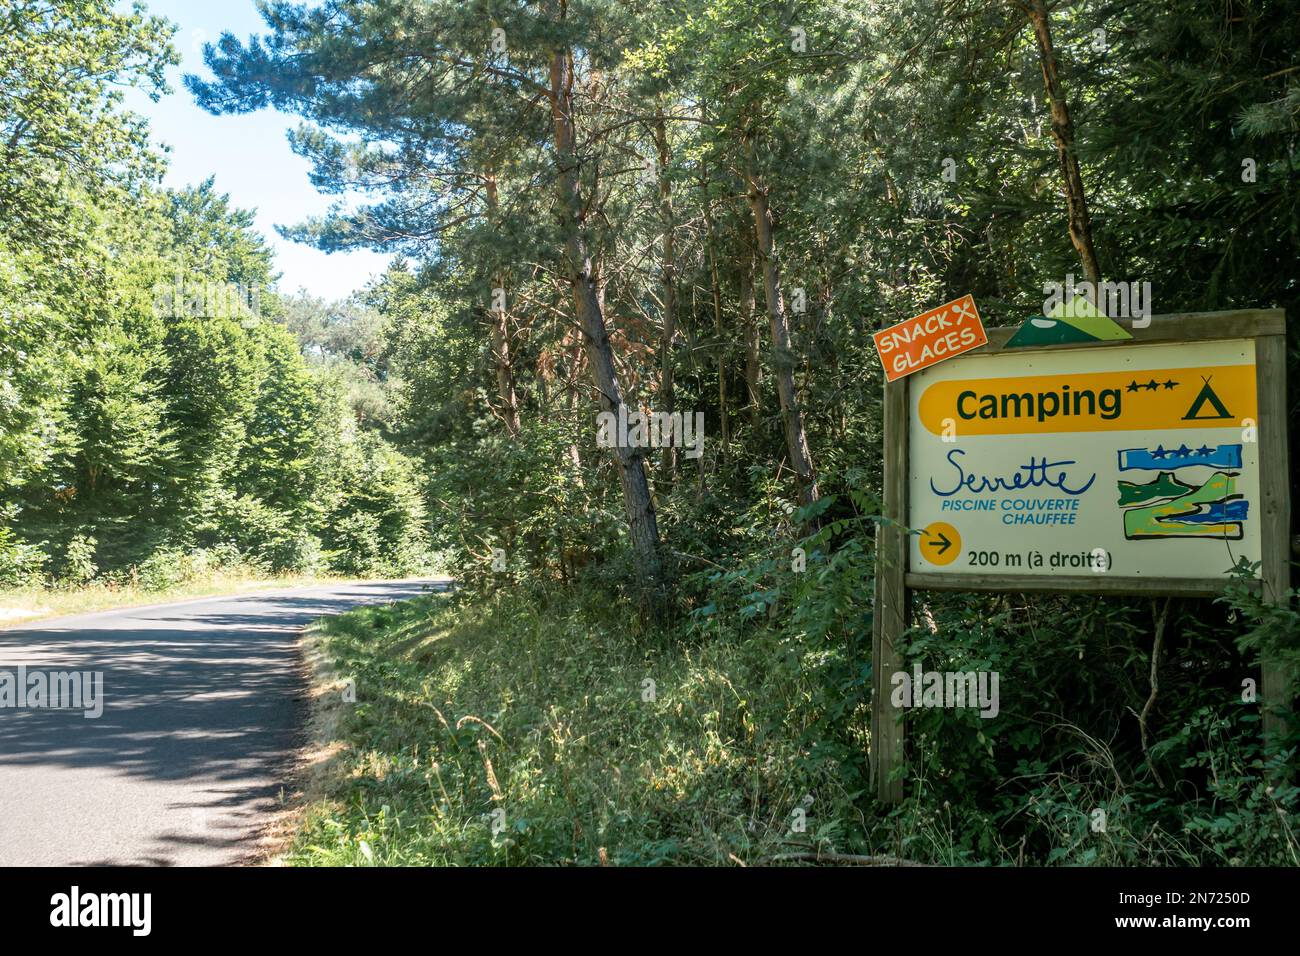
x=1206, y=394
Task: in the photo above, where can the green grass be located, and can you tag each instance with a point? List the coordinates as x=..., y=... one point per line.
x=518, y=729
x=511, y=733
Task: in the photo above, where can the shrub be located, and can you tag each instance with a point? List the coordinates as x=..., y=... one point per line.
x=269, y=538
x=164, y=569
x=358, y=545
x=79, y=560
x=300, y=551
x=376, y=521
x=22, y=565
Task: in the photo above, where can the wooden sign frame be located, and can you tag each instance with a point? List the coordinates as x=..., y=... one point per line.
x=894, y=582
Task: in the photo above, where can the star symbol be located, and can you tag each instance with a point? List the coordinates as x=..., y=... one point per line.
x=1204, y=450
x=1159, y=452
x=1133, y=386
x=1170, y=385
x=1152, y=385
x=1183, y=451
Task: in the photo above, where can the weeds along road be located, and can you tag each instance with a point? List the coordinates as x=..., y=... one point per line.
x=203, y=708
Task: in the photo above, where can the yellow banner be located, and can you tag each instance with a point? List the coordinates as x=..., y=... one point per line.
x=1208, y=397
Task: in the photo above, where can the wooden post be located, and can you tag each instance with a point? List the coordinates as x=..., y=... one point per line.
x=892, y=601
x=1275, y=512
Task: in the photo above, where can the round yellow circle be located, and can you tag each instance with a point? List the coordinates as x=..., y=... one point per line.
x=940, y=543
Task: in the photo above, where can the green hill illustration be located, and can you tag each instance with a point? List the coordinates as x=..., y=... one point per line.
x=1164, y=486
x=1214, y=510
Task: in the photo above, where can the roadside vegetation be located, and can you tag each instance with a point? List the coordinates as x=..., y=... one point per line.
x=559, y=727
x=518, y=731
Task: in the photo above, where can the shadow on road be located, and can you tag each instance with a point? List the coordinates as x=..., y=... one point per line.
x=207, y=694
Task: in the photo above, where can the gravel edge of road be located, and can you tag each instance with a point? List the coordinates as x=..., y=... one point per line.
x=309, y=776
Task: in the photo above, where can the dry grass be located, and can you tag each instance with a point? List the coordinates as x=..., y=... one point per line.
x=317, y=766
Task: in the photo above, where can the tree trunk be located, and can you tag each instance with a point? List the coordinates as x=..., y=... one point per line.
x=723, y=350
x=1063, y=131
x=668, y=265
x=753, y=340
x=642, y=526
x=505, y=371
x=499, y=325
x=796, y=439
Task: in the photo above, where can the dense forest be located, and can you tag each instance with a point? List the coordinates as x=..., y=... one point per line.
x=702, y=207
x=158, y=415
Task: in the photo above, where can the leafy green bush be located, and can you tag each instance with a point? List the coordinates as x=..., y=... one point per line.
x=172, y=565
x=375, y=521
x=22, y=565
x=79, y=560
x=358, y=544
x=164, y=569
x=300, y=551
x=264, y=536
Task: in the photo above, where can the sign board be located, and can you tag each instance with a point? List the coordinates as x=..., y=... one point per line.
x=1134, y=462
x=1144, y=465
x=930, y=338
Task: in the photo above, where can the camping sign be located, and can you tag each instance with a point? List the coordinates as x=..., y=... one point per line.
x=1140, y=461
x=1064, y=456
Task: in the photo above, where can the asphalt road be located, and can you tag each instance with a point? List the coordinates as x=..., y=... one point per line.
x=203, y=709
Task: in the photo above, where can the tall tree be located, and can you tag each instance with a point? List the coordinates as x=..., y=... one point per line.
x=1076, y=202
x=783, y=357
x=587, y=301
x=428, y=78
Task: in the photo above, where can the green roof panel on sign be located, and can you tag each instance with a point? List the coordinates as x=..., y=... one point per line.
x=1076, y=321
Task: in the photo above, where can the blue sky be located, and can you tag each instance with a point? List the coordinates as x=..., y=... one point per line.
x=249, y=155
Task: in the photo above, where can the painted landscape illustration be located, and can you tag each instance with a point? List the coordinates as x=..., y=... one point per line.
x=1171, y=507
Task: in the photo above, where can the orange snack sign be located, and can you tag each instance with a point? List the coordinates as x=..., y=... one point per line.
x=931, y=337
